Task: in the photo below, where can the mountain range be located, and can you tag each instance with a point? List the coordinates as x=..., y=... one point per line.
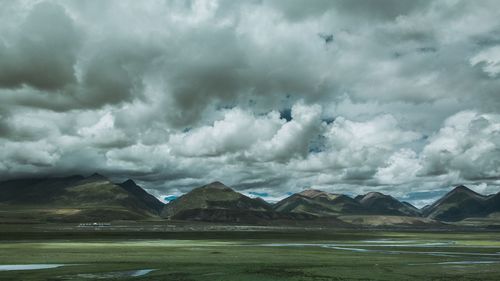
x=96, y=198
x=461, y=203
x=75, y=198
x=320, y=203
x=219, y=203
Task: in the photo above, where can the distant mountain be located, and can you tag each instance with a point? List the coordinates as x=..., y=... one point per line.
x=391, y=221
x=494, y=203
x=319, y=203
x=461, y=203
x=96, y=199
x=381, y=204
x=212, y=202
x=322, y=203
x=75, y=198
x=216, y=202
x=149, y=200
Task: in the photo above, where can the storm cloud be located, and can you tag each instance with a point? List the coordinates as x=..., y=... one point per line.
x=403, y=99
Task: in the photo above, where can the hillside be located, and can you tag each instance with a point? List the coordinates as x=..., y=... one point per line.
x=97, y=199
x=219, y=203
x=149, y=200
x=322, y=203
x=319, y=203
x=216, y=202
x=212, y=196
x=74, y=198
x=461, y=203
x=381, y=204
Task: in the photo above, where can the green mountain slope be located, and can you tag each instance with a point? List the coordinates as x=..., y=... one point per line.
x=319, y=203
x=74, y=198
x=380, y=204
x=155, y=205
x=461, y=203
x=322, y=203
x=213, y=196
x=216, y=202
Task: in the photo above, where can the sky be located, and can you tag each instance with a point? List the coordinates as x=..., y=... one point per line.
x=269, y=97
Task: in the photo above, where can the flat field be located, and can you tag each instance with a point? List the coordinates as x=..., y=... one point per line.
x=253, y=255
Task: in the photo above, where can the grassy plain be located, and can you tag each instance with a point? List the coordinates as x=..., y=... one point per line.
x=259, y=256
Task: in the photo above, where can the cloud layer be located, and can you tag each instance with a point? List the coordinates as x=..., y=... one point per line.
x=402, y=97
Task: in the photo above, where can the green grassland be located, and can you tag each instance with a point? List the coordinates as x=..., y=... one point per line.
x=257, y=256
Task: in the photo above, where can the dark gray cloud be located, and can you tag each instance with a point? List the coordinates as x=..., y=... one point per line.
x=114, y=73
x=42, y=52
x=357, y=9
x=180, y=93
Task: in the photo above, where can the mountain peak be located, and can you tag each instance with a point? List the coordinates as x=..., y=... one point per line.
x=375, y=193
x=97, y=176
x=311, y=193
x=381, y=203
x=214, y=201
x=129, y=182
x=130, y=186
x=216, y=185
x=314, y=193
x=459, y=203
x=371, y=195
x=462, y=188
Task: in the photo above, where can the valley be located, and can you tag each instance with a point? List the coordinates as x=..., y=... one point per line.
x=90, y=228
x=96, y=199
x=252, y=255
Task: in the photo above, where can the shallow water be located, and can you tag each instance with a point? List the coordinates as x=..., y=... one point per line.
x=389, y=241
x=9, y=267
x=390, y=246
x=468, y=262
x=116, y=274
x=141, y=272
x=459, y=262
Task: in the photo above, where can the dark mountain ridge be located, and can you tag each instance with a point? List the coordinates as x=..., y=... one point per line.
x=318, y=203
x=461, y=203
x=212, y=196
x=151, y=201
x=216, y=202
x=382, y=204
x=77, y=198
x=322, y=203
